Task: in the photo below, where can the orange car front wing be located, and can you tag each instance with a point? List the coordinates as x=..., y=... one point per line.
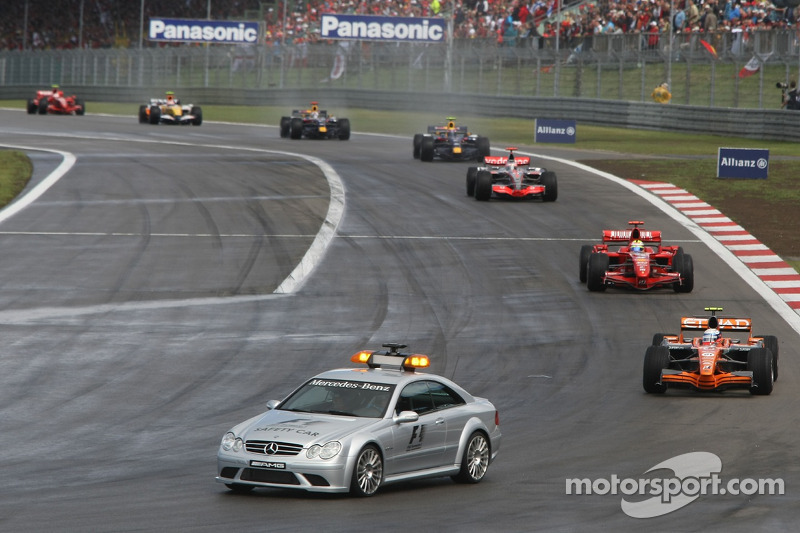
x=708, y=382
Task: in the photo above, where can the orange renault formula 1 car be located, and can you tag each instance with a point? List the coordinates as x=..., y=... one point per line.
x=711, y=362
x=635, y=258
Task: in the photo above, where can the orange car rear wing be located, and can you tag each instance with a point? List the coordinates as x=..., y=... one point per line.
x=624, y=235
x=724, y=323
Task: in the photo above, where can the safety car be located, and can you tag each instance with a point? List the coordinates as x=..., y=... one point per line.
x=635, y=258
x=55, y=102
x=314, y=123
x=170, y=110
x=450, y=142
x=711, y=361
x=356, y=429
x=512, y=177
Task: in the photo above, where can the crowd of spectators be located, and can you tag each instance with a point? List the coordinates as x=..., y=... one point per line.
x=109, y=23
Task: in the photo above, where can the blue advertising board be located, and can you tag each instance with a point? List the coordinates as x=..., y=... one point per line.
x=375, y=28
x=554, y=131
x=203, y=31
x=751, y=163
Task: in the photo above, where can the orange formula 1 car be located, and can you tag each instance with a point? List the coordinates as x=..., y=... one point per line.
x=711, y=362
x=635, y=258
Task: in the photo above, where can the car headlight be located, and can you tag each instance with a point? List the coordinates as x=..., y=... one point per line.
x=326, y=451
x=231, y=442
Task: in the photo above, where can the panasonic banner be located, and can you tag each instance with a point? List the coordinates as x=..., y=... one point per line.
x=554, y=131
x=752, y=163
x=203, y=31
x=375, y=28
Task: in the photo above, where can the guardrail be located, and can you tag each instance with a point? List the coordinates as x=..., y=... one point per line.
x=748, y=123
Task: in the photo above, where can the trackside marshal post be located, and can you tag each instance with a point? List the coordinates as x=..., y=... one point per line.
x=750, y=163
x=554, y=131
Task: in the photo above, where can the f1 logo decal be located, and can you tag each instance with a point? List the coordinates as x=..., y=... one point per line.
x=417, y=434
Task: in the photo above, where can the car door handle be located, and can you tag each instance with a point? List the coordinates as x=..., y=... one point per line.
x=439, y=421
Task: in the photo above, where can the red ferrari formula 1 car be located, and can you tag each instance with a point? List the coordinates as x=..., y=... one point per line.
x=511, y=177
x=635, y=258
x=711, y=362
x=55, y=102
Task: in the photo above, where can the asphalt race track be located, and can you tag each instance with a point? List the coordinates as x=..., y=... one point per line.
x=140, y=321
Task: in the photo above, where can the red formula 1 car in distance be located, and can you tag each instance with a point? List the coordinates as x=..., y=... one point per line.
x=55, y=102
x=511, y=177
x=711, y=362
x=635, y=258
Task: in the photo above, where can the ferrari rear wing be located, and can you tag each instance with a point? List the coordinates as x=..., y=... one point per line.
x=624, y=235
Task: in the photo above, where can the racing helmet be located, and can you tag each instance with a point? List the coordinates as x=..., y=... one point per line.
x=710, y=336
x=637, y=246
x=170, y=96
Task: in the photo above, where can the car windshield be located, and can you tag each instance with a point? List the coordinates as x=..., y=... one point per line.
x=340, y=397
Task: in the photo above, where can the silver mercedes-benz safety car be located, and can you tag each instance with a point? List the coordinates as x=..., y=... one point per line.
x=354, y=429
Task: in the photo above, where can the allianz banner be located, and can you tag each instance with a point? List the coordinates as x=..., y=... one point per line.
x=554, y=131
x=750, y=163
x=203, y=31
x=374, y=28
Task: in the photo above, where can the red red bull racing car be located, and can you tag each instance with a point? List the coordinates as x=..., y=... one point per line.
x=711, y=362
x=511, y=177
x=55, y=102
x=635, y=258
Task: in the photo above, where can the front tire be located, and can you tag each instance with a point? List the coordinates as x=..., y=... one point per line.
x=155, y=114
x=550, y=183
x=31, y=106
x=483, y=186
x=426, y=149
x=143, y=114
x=285, y=123
x=475, y=461
x=344, y=129
x=685, y=267
x=197, y=111
x=417, y=145
x=759, y=361
x=598, y=265
x=472, y=177
x=771, y=344
x=367, y=472
x=656, y=359
x=296, y=128
x=583, y=259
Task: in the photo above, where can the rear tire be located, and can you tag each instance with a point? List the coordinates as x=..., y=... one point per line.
x=81, y=107
x=367, y=472
x=475, y=461
x=143, y=114
x=42, y=107
x=759, y=361
x=483, y=185
x=155, y=114
x=484, y=148
x=472, y=177
x=583, y=260
x=656, y=359
x=197, y=111
x=417, y=145
x=771, y=344
x=296, y=128
x=286, y=122
x=31, y=106
x=550, y=183
x=598, y=266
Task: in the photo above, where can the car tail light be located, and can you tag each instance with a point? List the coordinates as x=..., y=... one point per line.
x=497, y=418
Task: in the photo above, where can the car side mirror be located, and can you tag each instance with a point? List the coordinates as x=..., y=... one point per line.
x=405, y=416
x=272, y=404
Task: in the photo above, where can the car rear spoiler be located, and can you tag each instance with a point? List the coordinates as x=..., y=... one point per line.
x=624, y=235
x=500, y=160
x=723, y=323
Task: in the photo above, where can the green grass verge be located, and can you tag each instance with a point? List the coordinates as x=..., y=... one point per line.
x=765, y=207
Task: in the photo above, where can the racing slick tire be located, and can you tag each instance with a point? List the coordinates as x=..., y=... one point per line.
x=344, y=129
x=426, y=149
x=484, y=147
x=483, y=186
x=155, y=114
x=475, y=461
x=296, y=128
x=583, y=260
x=238, y=488
x=31, y=106
x=759, y=362
x=197, y=111
x=686, y=270
x=286, y=122
x=597, y=268
x=143, y=114
x=367, y=472
x=656, y=358
x=657, y=338
x=472, y=176
x=417, y=144
x=81, y=107
x=771, y=344
x=550, y=183
x=42, y=107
